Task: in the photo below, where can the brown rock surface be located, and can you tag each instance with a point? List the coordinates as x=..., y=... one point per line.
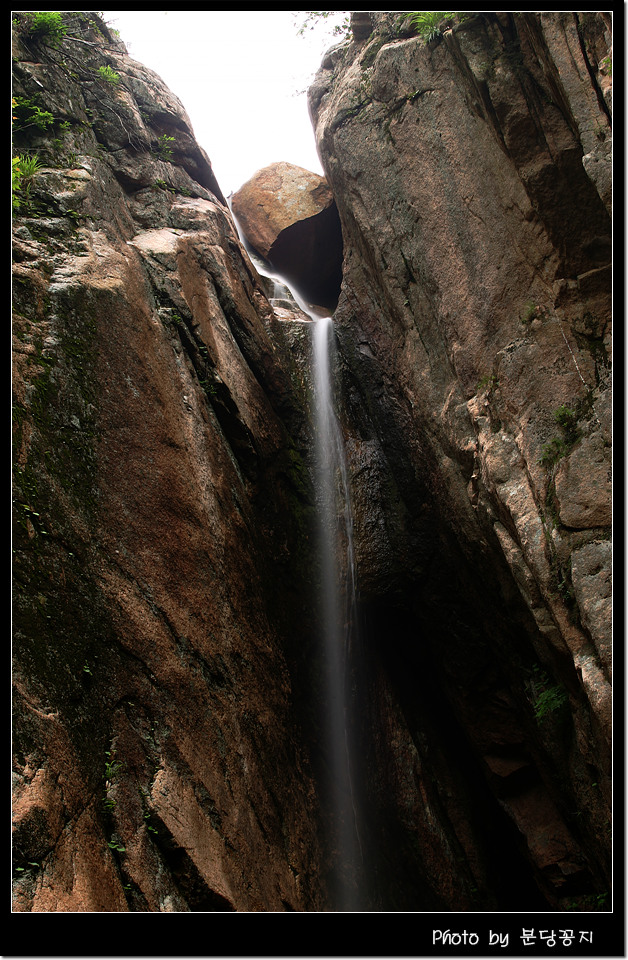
x=158, y=765
x=289, y=217
x=168, y=696
x=583, y=485
x=470, y=176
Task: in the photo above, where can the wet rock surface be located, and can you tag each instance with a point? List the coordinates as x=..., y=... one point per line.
x=167, y=685
x=474, y=329
x=289, y=217
x=156, y=465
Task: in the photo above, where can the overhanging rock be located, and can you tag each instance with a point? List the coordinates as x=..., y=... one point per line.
x=288, y=216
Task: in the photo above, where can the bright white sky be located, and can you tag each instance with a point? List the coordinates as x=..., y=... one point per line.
x=241, y=77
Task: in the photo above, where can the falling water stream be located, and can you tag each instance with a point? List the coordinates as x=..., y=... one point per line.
x=338, y=605
x=338, y=600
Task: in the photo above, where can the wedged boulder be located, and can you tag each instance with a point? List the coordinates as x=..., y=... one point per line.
x=288, y=216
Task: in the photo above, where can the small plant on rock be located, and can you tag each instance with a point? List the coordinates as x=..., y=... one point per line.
x=486, y=384
x=428, y=24
x=165, y=146
x=566, y=418
x=27, y=114
x=547, y=698
x=552, y=452
x=45, y=26
x=534, y=311
x=24, y=169
x=550, y=701
x=16, y=180
x=108, y=75
x=559, y=447
x=112, y=767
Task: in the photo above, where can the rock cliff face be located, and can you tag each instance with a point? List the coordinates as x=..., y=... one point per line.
x=167, y=689
x=161, y=518
x=471, y=175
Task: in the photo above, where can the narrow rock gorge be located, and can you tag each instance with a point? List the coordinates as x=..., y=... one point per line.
x=168, y=694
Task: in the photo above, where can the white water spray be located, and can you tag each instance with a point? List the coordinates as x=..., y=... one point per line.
x=338, y=597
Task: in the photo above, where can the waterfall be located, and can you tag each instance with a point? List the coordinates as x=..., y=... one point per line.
x=338, y=599
x=280, y=286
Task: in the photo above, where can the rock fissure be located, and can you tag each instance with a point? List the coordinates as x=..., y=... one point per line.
x=592, y=71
